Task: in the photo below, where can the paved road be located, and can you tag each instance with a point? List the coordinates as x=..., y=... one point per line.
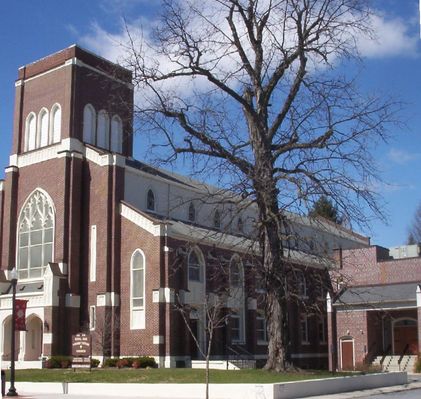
x=412, y=394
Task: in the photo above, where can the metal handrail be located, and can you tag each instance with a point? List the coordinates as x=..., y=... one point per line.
x=386, y=353
x=403, y=354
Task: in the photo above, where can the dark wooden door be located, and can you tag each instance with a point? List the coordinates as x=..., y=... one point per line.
x=403, y=336
x=347, y=353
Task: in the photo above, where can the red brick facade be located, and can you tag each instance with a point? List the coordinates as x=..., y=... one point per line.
x=87, y=285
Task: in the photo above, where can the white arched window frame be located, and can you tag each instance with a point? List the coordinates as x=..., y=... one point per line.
x=89, y=124
x=42, y=136
x=150, y=200
x=116, y=134
x=35, y=236
x=236, y=283
x=103, y=130
x=137, y=290
x=195, y=266
x=55, y=124
x=30, y=132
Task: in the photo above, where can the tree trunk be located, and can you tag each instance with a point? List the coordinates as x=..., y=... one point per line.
x=271, y=247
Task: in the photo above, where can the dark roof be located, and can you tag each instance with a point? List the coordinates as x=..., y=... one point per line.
x=370, y=294
x=156, y=172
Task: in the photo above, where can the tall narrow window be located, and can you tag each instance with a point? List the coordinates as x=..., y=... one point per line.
x=236, y=277
x=103, y=133
x=137, y=290
x=55, y=132
x=194, y=266
x=237, y=299
x=89, y=124
x=322, y=329
x=261, y=328
x=30, y=132
x=301, y=284
x=43, y=128
x=92, y=254
x=240, y=225
x=116, y=134
x=150, y=200
x=36, y=236
x=92, y=317
x=192, y=212
x=217, y=219
x=304, y=329
x=235, y=326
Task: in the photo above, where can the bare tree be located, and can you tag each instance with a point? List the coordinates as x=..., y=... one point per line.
x=214, y=317
x=254, y=89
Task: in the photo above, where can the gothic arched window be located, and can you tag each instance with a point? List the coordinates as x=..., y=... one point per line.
x=35, y=236
x=192, y=212
x=103, y=134
x=137, y=289
x=194, y=266
x=89, y=124
x=150, y=200
x=217, y=219
x=55, y=132
x=43, y=128
x=30, y=132
x=116, y=134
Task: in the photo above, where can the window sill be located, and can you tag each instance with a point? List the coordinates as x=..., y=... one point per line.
x=262, y=343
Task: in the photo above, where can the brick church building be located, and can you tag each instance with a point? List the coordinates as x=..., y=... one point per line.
x=107, y=244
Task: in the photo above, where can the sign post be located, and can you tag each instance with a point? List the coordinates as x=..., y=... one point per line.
x=81, y=351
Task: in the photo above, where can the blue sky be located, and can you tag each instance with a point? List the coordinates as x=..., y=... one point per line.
x=31, y=29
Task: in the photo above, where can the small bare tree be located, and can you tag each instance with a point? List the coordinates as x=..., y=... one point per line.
x=214, y=318
x=251, y=88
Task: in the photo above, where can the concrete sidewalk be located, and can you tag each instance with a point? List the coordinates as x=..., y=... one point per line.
x=414, y=383
x=24, y=391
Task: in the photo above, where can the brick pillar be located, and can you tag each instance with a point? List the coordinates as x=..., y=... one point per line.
x=331, y=334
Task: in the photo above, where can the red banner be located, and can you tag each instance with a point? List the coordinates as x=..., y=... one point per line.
x=20, y=315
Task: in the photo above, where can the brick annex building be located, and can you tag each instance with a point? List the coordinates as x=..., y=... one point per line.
x=105, y=243
x=376, y=316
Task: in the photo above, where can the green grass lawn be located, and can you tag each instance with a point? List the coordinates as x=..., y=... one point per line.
x=163, y=376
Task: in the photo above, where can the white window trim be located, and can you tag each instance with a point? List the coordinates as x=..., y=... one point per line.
x=39, y=126
x=141, y=309
x=52, y=140
x=201, y=265
x=18, y=231
x=93, y=253
x=92, y=317
x=92, y=130
x=27, y=131
x=261, y=316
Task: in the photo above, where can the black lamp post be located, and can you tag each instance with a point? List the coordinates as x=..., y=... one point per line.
x=14, y=281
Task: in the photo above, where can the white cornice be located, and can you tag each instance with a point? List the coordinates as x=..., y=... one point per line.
x=141, y=221
x=69, y=147
x=82, y=64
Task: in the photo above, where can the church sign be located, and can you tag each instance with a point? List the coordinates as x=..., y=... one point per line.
x=81, y=350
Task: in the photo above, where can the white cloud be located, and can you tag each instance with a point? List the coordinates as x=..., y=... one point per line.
x=391, y=38
x=402, y=157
